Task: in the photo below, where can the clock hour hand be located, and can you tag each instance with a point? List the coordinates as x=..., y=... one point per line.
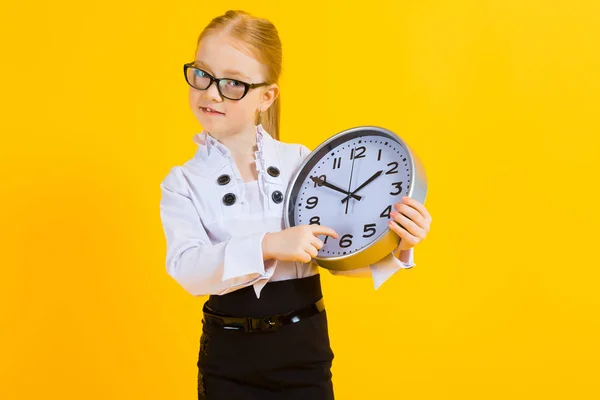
x=371, y=179
x=322, y=182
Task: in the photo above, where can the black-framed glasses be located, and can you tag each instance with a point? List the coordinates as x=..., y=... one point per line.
x=231, y=89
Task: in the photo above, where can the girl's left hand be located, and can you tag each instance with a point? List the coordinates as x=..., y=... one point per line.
x=411, y=221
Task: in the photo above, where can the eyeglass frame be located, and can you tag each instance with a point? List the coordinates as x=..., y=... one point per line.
x=247, y=86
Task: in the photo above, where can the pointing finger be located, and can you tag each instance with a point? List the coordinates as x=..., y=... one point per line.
x=323, y=230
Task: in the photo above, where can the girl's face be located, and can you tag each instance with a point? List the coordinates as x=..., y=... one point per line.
x=218, y=56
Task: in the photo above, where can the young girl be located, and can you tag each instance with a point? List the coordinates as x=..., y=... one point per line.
x=264, y=332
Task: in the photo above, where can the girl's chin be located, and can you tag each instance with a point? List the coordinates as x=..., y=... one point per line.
x=210, y=121
x=213, y=126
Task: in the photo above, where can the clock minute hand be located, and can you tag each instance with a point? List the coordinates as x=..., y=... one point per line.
x=363, y=185
x=329, y=185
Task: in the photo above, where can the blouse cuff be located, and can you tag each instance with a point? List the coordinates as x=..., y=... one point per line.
x=407, y=257
x=244, y=256
x=261, y=282
x=382, y=270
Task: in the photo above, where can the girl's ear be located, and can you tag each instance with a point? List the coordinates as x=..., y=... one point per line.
x=269, y=95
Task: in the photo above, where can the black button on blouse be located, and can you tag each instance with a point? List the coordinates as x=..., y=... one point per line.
x=277, y=196
x=229, y=199
x=223, y=179
x=273, y=171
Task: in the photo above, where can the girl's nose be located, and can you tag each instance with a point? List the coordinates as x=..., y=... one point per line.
x=213, y=92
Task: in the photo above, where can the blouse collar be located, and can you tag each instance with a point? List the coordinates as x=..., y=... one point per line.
x=205, y=140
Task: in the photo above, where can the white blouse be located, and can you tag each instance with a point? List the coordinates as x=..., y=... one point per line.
x=214, y=222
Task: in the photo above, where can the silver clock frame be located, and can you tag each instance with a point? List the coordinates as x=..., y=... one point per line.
x=388, y=240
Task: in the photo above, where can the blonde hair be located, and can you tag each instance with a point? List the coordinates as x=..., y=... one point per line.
x=262, y=39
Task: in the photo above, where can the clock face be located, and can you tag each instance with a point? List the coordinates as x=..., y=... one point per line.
x=351, y=184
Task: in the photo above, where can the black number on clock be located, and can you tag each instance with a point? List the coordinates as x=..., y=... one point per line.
x=379, y=155
x=386, y=213
x=369, y=228
x=325, y=241
x=345, y=242
x=322, y=178
x=315, y=220
x=337, y=162
x=312, y=202
x=398, y=186
x=360, y=152
x=394, y=169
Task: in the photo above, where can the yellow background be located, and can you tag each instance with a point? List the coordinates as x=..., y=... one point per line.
x=499, y=98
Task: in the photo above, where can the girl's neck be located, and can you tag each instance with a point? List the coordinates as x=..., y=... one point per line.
x=240, y=144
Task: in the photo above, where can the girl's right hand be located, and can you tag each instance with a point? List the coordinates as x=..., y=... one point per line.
x=298, y=243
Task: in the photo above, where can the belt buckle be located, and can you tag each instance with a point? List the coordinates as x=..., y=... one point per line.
x=262, y=324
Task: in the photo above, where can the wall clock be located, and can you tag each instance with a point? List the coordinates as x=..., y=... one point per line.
x=350, y=183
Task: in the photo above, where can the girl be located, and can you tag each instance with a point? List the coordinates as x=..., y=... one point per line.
x=264, y=332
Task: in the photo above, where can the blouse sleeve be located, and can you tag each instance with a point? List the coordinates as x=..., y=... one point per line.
x=304, y=152
x=200, y=267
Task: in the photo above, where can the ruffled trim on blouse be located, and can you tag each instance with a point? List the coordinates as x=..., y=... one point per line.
x=261, y=167
x=204, y=138
x=212, y=142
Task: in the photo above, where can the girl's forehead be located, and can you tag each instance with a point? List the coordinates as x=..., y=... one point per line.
x=223, y=56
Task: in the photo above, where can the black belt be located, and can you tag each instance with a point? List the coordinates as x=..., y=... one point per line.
x=260, y=324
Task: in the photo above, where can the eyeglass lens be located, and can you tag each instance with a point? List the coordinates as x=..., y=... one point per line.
x=228, y=87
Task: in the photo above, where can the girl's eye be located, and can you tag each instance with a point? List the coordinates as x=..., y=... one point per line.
x=234, y=83
x=200, y=73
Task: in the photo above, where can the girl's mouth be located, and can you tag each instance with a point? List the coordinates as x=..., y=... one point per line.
x=210, y=112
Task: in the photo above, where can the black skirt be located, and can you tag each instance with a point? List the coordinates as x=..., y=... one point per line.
x=291, y=363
